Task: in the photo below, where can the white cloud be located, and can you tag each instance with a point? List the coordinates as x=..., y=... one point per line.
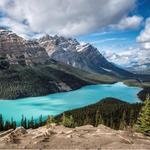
x=138, y=56
x=19, y=28
x=130, y=22
x=144, y=37
x=66, y=17
x=102, y=33
x=129, y=57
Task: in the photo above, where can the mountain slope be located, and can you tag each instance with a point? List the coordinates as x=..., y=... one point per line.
x=86, y=57
x=26, y=70
x=16, y=50
x=25, y=81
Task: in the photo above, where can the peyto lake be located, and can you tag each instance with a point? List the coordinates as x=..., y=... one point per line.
x=54, y=104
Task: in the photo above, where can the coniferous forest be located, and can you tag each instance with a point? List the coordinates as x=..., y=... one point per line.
x=110, y=112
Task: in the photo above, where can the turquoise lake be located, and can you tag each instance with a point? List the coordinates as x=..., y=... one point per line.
x=54, y=104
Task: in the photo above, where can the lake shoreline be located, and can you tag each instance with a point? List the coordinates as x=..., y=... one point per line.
x=55, y=104
x=73, y=89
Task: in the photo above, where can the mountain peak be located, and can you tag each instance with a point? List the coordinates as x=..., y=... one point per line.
x=87, y=57
x=16, y=50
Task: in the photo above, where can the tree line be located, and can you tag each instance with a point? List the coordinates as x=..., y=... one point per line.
x=24, y=122
x=113, y=113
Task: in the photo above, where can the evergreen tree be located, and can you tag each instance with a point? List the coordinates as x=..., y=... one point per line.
x=1, y=123
x=40, y=123
x=49, y=121
x=22, y=121
x=31, y=123
x=13, y=124
x=123, y=121
x=132, y=118
x=143, y=123
x=98, y=118
x=25, y=123
x=7, y=125
x=86, y=120
x=68, y=121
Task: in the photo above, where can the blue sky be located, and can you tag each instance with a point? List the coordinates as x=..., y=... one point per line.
x=113, y=25
x=112, y=41
x=120, y=40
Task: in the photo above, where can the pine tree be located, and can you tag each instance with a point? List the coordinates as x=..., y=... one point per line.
x=22, y=121
x=98, y=118
x=7, y=125
x=31, y=123
x=49, y=121
x=68, y=121
x=86, y=120
x=143, y=123
x=1, y=123
x=13, y=124
x=132, y=118
x=123, y=121
x=25, y=123
x=40, y=121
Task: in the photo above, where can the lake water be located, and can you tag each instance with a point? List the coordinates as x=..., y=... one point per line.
x=54, y=104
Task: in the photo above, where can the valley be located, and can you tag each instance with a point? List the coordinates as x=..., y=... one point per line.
x=59, y=77
x=54, y=104
x=75, y=74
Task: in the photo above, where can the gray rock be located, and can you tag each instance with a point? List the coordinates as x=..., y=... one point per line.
x=87, y=57
x=16, y=50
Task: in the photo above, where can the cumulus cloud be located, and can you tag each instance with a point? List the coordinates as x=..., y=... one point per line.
x=132, y=22
x=67, y=17
x=19, y=28
x=144, y=37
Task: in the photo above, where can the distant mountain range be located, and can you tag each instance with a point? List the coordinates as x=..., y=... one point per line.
x=16, y=50
x=134, y=60
x=27, y=70
x=87, y=57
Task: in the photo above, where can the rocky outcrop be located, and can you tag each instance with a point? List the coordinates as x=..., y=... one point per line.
x=86, y=57
x=16, y=50
x=74, y=138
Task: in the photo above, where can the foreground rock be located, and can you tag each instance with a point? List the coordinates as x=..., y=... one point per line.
x=80, y=137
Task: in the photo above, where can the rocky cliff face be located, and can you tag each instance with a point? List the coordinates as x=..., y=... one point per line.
x=86, y=57
x=16, y=50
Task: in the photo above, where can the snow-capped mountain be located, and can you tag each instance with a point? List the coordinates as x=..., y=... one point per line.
x=135, y=60
x=87, y=57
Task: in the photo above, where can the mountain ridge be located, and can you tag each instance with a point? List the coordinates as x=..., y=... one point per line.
x=86, y=57
x=16, y=50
